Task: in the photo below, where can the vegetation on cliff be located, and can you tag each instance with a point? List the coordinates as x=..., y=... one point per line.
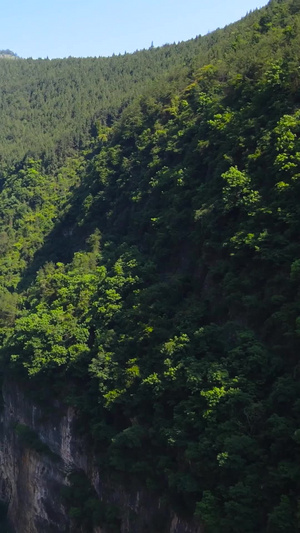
x=152, y=278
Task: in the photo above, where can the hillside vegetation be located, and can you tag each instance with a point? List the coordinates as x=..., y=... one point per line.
x=49, y=108
x=151, y=279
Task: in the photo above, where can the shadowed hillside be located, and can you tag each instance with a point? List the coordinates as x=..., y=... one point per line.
x=150, y=279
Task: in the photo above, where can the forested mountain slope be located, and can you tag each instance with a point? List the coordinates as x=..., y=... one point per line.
x=49, y=107
x=152, y=281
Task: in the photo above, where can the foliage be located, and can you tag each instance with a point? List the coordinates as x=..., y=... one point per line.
x=30, y=439
x=152, y=280
x=84, y=506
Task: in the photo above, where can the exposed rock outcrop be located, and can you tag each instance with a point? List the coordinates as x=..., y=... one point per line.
x=32, y=475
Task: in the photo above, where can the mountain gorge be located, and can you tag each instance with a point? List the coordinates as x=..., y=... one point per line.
x=149, y=286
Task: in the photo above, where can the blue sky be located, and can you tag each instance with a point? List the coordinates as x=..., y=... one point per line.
x=62, y=28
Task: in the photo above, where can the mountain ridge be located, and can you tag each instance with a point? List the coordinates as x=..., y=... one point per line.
x=8, y=54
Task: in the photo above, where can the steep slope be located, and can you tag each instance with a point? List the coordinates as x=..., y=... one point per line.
x=165, y=306
x=48, y=108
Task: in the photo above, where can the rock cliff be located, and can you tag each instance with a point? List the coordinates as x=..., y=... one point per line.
x=39, y=449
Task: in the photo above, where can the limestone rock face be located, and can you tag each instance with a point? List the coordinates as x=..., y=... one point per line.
x=31, y=480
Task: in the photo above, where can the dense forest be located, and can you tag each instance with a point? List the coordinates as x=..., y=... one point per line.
x=150, y=263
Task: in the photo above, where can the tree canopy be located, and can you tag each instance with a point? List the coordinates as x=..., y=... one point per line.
x=150, y=276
